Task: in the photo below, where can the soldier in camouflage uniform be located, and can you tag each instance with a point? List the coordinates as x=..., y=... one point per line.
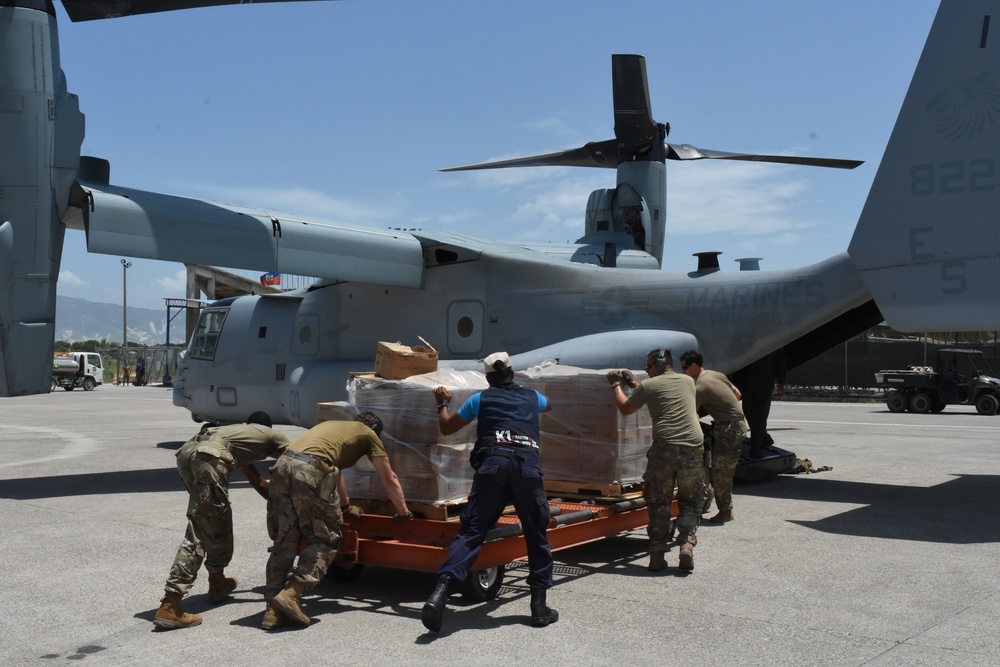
x=720, y=398
x=205, y=463
x=676, y=456
x=307, y=500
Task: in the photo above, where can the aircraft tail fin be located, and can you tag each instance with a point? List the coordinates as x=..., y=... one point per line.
x=927, y=244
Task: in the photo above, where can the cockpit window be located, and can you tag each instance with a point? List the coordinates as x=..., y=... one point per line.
x=206, y=334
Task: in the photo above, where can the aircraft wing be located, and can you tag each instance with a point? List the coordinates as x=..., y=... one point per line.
x=135, y=223
x=89, y=10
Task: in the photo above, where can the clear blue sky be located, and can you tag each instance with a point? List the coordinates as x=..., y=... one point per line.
x=346, y=110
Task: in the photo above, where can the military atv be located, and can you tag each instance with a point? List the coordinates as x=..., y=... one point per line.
x=961, y=377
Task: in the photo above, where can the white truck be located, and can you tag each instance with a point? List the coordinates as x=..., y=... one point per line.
x=77, y=369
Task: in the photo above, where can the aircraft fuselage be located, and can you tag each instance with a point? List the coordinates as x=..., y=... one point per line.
x=297, y=349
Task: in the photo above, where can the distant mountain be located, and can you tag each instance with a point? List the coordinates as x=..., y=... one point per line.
x=78, y=320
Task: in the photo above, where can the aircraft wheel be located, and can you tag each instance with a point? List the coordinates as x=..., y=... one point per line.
x=937, y=405
x=920, y=403
x=895, y=401
x=69, y=388
x=987, y=404
x=483, y=585
x=88, y=384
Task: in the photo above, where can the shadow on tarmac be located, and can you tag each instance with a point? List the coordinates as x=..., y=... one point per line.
x=959, y=511
x=157, y=480
x=401, y=593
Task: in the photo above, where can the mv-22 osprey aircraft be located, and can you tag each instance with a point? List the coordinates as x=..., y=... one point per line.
x=924, y=255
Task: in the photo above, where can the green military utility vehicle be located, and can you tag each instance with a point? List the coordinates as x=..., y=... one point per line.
x=962, y=377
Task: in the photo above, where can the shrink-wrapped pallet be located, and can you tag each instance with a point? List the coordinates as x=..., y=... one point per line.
x=585, y=441
x=431, y=467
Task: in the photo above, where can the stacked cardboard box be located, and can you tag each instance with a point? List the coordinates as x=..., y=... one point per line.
x=585, y=439
x=431, y=467
x=395, y=361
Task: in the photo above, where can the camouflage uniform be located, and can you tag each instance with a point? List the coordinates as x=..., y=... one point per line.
x=669, y=465
x=677, y=456
x=714, y=394
x=304, y=505
x=204, y=463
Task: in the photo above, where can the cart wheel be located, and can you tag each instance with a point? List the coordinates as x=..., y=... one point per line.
x=483, y=585
x=342, y=574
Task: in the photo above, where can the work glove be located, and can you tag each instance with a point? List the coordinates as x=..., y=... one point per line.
x=614, y=378
x=628, y=379
x=402, y=517
x=352, y=511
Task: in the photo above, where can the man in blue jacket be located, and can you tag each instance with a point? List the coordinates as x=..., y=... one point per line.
x=505, y=458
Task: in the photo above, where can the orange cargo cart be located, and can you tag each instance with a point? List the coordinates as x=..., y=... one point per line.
x=422, y=544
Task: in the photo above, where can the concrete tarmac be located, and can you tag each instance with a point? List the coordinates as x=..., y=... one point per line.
x=890, y=558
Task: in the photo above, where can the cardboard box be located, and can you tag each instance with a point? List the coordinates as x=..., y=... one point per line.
x=431, y=467
x=338, y=411
x=395, y=361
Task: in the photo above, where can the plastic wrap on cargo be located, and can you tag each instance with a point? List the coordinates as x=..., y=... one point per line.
x=431, y=467
x=338, y=411
x=584, y=439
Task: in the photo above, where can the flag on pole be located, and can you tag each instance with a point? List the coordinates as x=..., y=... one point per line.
x=270, y=279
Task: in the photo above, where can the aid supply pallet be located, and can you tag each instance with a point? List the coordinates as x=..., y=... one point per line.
x=422, y=544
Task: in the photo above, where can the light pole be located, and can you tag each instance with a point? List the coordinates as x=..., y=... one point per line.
x=124, y=361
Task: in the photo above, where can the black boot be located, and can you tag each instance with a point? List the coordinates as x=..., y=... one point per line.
x=434, y=607
x=541, y=614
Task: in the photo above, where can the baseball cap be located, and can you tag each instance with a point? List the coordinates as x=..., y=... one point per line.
x=490, y=362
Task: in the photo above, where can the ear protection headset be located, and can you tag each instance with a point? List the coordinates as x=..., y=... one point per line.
x=661, y=359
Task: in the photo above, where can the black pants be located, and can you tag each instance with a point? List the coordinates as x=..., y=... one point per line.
x=499, y=482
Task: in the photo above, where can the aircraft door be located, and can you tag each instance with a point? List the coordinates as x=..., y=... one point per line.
x=465, y=327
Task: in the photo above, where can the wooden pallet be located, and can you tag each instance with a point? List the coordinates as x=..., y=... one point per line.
x=439, y=511
x=582, y=491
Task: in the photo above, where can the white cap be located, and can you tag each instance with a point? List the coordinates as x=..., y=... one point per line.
x=490, y=362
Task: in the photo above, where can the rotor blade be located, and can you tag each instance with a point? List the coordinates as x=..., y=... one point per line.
x=635, y=128
x=688, y=152
x=594, y=154
x=89, y=10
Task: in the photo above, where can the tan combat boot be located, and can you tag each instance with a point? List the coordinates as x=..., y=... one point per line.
x=287, y=602
x=220, y=586
x=170, y=615
x=724, y=516
x=657, y=561
x=273, y=618
x=687, y=555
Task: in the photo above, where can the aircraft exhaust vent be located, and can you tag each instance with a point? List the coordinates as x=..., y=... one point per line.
x=279, y=372
x=708, y=262
x=749, y=263
x=95, y=170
